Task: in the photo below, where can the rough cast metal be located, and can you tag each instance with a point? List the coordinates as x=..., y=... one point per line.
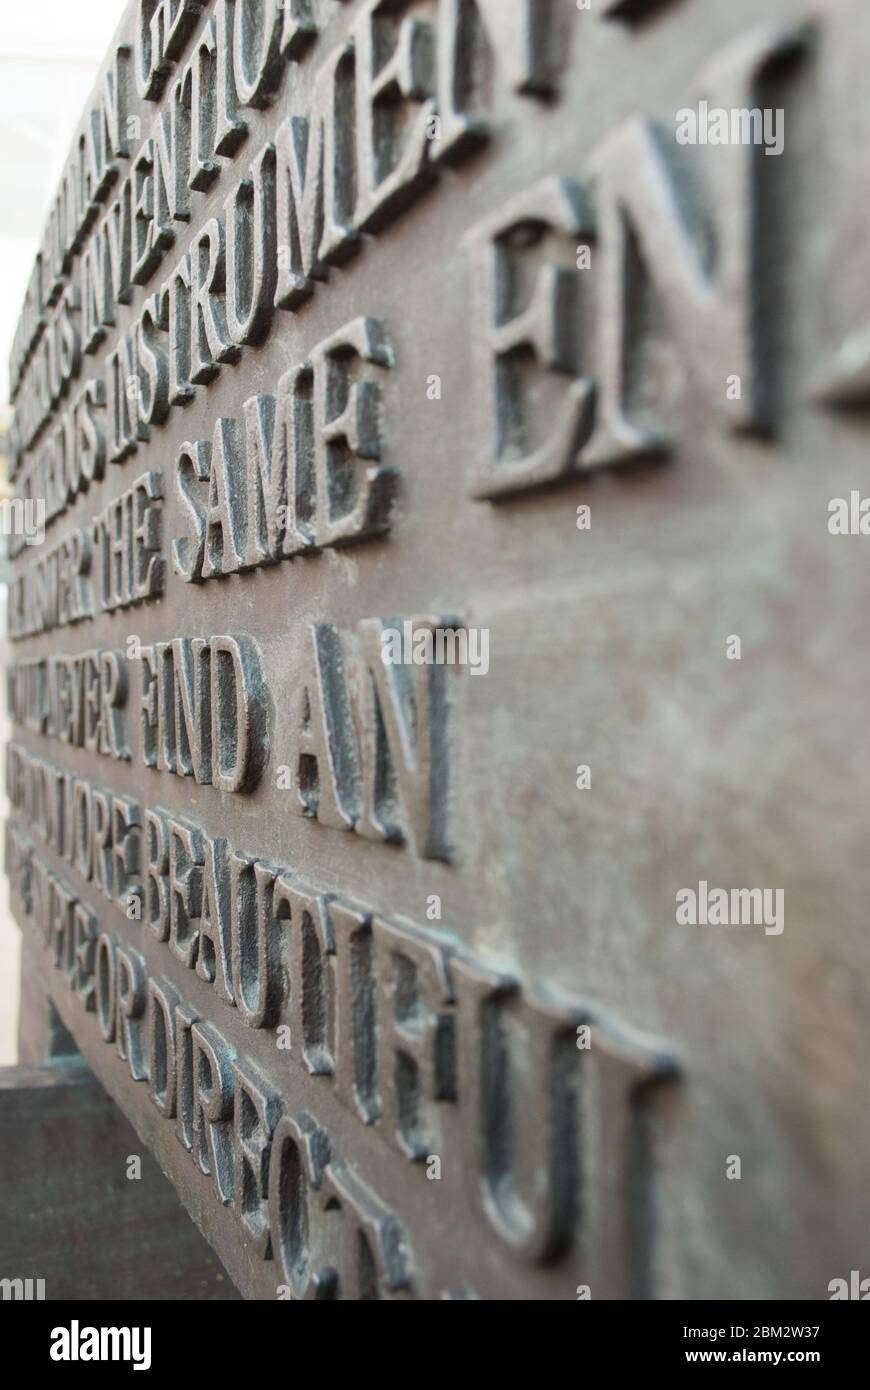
x=439, y=767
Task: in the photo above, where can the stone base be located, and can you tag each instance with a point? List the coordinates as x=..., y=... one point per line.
x=71, y=1215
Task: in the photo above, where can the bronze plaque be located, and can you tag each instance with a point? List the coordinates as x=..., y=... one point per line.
x=439, y=770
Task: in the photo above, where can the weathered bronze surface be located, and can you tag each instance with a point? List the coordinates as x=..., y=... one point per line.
x=439, y=770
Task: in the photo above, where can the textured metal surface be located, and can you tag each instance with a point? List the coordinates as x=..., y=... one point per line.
x=438, y=321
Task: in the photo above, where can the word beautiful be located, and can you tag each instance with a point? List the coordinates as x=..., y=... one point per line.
x=412, y=1036
x=337, y=1089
